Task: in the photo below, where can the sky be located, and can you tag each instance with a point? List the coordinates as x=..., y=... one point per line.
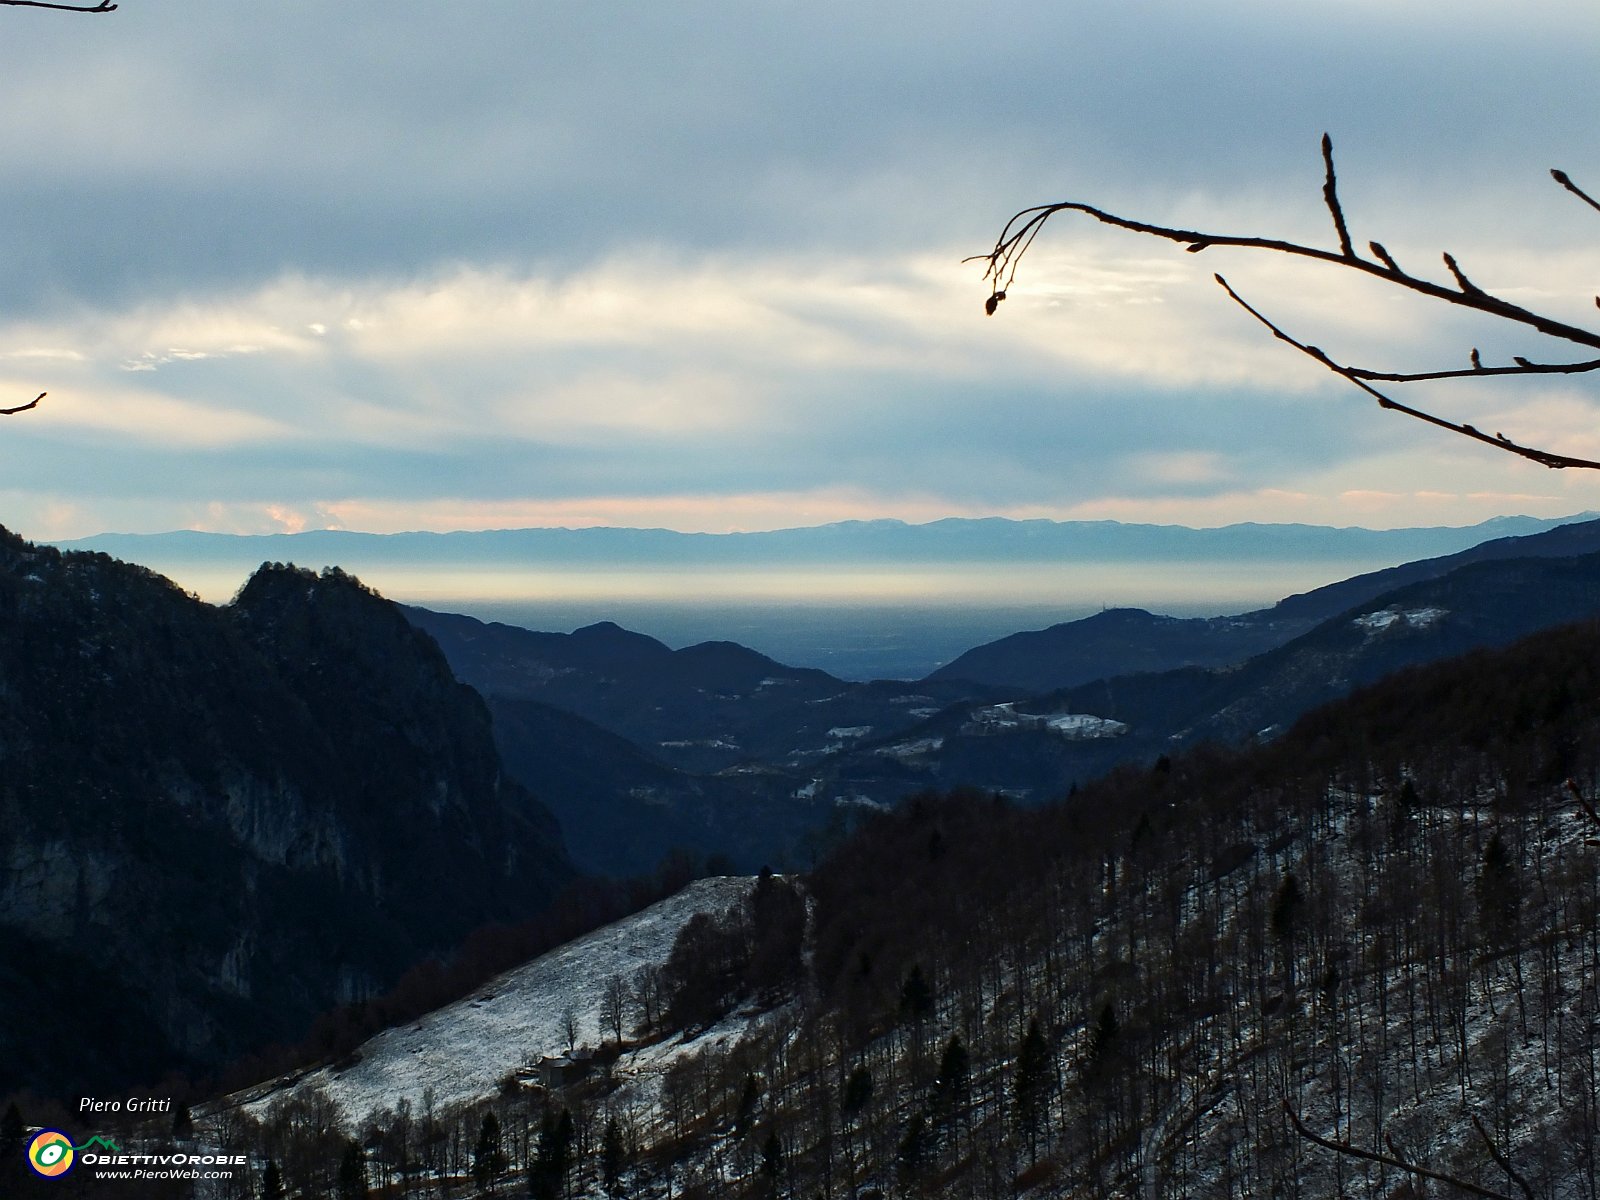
x=502, y=263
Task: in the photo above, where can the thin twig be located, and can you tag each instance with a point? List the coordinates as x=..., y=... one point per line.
x=1462, y=282
x=1501, y=1160
x=34, y=403
x=1498, y=440
x=1565, y=181
x=1583, y=802
x=1398, y=1163
x=1330, y=196
x=1523, y=367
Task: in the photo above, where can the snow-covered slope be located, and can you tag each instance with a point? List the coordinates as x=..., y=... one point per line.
x=461, y=1052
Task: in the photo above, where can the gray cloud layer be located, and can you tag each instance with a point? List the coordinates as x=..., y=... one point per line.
x=195, y=157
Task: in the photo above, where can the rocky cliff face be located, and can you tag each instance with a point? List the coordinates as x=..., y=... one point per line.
x=217, y=822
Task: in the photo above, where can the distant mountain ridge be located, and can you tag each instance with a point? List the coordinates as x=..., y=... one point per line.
x=639, y=748
x=1030, y=749
x=952, y=539
x=1124, y=641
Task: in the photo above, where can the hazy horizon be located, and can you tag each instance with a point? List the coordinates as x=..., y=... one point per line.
x=860, y=601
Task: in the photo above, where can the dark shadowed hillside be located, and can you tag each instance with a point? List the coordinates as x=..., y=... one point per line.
x=216, y=823
x=1232, y=973
x=622, y=811
x=641, y=749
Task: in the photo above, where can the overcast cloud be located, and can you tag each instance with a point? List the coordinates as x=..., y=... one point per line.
x=413, y=265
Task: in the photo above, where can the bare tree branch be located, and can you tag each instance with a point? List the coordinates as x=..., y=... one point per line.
x=34, y=403
x=1565, y=181
x=1016, y=238
x=1501, y=1160
x=1523, y=367
x=1499, y=441
x=1583, y=802
x=1396, y=1162
x=1330, y=196
x=84, y=8
x=1021, y=230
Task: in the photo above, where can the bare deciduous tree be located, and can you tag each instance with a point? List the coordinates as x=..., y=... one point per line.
x=614, y=1006
x=1021, y=230
x=1394, y=1159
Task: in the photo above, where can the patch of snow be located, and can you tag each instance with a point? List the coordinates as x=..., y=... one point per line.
x=464, y=1050
x=910, y=749
x=1374, y=623
x=1082, y=725
x=857, y=800
x=849, y=731
x=1002, y=718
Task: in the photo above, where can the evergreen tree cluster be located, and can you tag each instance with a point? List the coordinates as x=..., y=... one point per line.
x=753, y=951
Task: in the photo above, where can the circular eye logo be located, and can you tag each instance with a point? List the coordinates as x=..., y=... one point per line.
x=50, y=1154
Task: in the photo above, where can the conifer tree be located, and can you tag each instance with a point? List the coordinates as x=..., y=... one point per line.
x=772, y=1156
x=554, y=1156
x=612, y=1155
x=1286, y=907
x=916, y=997
x=1031, y=1085
x=488, y=1160
x=950, y=1088
x=857, y=1090
x=914, y=1146
x=1102, y=1042
x=272, y=1182
x=1498, y=899
x=748, y=1099
x=352, y=1172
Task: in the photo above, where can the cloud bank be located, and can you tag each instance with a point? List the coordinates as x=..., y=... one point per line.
x=417, y=266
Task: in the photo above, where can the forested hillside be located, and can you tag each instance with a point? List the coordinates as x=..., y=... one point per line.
x=1386, y=921
x=216, y=823
x=1387, y=924
x=1328, y=966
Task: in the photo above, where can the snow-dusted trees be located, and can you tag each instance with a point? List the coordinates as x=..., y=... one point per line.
x=752, y=951
x=614, y=1006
